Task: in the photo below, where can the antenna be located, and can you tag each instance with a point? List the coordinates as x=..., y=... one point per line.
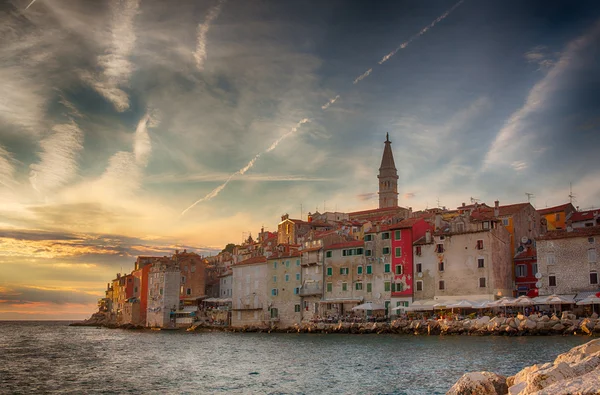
x=438, y=202
x=571, y=196
x=529, y=196
x=300, y=211
x=474, y=200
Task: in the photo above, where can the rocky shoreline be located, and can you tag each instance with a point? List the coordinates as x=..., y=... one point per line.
x=520, y=325
x=574, y=372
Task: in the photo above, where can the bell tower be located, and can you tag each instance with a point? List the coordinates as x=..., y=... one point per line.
x=388, y=177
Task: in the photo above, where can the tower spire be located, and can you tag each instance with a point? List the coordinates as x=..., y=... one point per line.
x=388, y=177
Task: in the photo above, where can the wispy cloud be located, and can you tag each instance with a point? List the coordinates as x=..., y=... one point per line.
x=504, y=150
x=330, y=102
x=7, y=168
x=22, y=102
x=362, y=76
x=244, y=169
x=202, y=32
x=115, y=64
x=203, y=177
x=420, y=33
x=58, y=158
x=540, y=56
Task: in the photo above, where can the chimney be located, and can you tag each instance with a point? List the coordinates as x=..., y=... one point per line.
x=284, y=217
x=184, y=250
x=496, y=208
x=463, y=204
x=176, y=252
x=428, y=236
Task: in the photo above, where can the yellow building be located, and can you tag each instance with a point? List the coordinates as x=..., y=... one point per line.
x=557, y=217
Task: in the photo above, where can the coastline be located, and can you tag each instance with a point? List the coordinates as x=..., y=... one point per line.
x=533, y=325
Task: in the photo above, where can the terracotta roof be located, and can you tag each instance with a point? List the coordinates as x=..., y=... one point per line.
x=527, y=253
x=279, y=255
x=382, y=228
x=298, y=221
x=585, y=215
x=250, y=261
x=576, y=232
x=312, y=249
x=406, y=223
x=377, y=210
x=512, y=209
x=555, y=209
x=227, y=273
x=348, y=244
x=422, y=241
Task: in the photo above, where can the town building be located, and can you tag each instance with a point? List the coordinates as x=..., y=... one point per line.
x=163, y=294
x=140, y=275
x=526, y=269
x=289, y=230
x=283, y=285
x=378, y=259
x=557, y=216
x=250, y=300
x=568, y=261
x=226, y=285
x=582, y=219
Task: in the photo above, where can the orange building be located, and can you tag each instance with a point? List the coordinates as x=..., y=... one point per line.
x=557, y=216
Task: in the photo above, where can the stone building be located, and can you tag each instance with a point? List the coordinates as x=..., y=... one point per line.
x=378, y=258
x=289, y=230
x=582, y=219
x=568, y=261
x=193, y=275
x=163, y=294
x=140, y=274
x=250, y=300
x=283, y=286
x=226, y=285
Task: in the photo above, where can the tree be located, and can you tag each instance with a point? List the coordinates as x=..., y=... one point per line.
x=229, y=248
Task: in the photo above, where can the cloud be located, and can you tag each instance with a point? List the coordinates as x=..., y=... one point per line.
x=204, y=177
x=115, y=64
x=202, y=32
x=329, y=103
x=540, y=56
x=362, y=76
x=366, y=196
x=504, y=151
x=409, y=195
x=22, y=102
x=7, y=169
x=58, y=158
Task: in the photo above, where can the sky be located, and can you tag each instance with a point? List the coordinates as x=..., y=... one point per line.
x=135, y=127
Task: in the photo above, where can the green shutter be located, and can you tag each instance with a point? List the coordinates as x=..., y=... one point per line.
x=369, y=287
x=369, y=269
x=329, y=271
x=386, y=268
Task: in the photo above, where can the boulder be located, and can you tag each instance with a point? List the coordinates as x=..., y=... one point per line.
x=530, y=324
x=558, y=327
x=544, y=318
x=479, y=383
x=588, y=383
x=594, y=316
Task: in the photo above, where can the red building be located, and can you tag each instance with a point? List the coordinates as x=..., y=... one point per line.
x=525, y=271
x=403, y=235
x=140, y=281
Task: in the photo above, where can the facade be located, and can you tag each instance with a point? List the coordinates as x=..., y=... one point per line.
x=226, y=285
x=568, y=261
x=290, y=230
x=193, y=275
x=311, y=290
x=346, y=283
x=283, y=286
x=388, y=177
x=163, y=294
x=557, y=217
x=526, y=269
x=140, y=285
x=402, y=236
x=378, y=258
x=582, y=219
x=250, y=300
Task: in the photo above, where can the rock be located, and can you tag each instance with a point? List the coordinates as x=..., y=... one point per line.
x=544, y=318
x=586, y=384
x=530, y=324
x=594, y=316
x=479, y=383
x=520, y=316
x=579, y=353
x=558, y=327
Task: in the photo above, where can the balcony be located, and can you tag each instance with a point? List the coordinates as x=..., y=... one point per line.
x=311, y=289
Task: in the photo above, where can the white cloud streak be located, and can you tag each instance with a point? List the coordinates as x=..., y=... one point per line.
x=58, y=158
x=115, y=64
x=329, y=103
x=505, y=150
x=30, y=4
x=21, y=102
x=244, y=169
x=202, y=32
x=362, y=76
x=419, y=34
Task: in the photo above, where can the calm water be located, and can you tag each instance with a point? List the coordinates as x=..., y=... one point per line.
x=52, y=357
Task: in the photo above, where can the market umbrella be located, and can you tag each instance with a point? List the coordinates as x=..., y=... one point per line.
x=590, y=300
x=553, y=300
x=369, y=306
x=523, y=301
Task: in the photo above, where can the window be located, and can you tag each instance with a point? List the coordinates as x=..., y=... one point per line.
x=296, y=290
x=161, y=291
x=369, y=287
x=398, y=252
x=398, y=269
x=368, y=237
x=297, y=262
x=486, y=225
x=419, y=285
x=386, y=268
x=359, y=270
x=344, y=286
x=386, y=286
x=369, y=269
x=287, y=277
x=482, y=282
x=358, y=286
x=274, y=292
x=135, y=289
x=399, y=287
x=419, y=267
x=593, y=278
x=505, y=221
x=329, y=271
x=328, y=254
x=274, y=279
x=521, y=270
x=368, y=252
x=480, y=244
x=188, y=291
x=183, y=279
x=460, y=227
x=534, y=268
x=590, y=240
x=329, y=287
x=359, y=251
x=287, y=263
x=552, y=280
x=557, y=217
x=480, y=262
x=274, y=265
x=343, y=270
x=386, y=251
x=439, y=248
x=297, y=276
x=441, y=285
x=550, y=259
x=418, y=250
x=397, y=235
x=441, y=266
x=592, y=255
x=296, y=308
x=385, y=235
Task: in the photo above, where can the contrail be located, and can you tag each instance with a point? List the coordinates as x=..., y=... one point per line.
x=363, y=75
x=330, y=102
x=244, y=169
x=419, y=34
x=200, y=53
x=30, y=4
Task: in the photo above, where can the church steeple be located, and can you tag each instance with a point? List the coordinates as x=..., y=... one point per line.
x=388, y=177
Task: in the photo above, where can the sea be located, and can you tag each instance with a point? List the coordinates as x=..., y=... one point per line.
x=52, y=357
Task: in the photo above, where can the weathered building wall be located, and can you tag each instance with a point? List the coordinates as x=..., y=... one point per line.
x=427, y=259
x=311, y=291
x=163, y=294
x=283, y=289
x=341, y=278
x=226, y=285
x=381, y=263
x=250, y=301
